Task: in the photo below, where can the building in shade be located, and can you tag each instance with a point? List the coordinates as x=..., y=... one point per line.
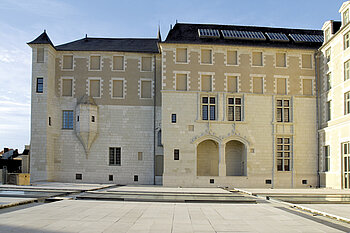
x=211, y=105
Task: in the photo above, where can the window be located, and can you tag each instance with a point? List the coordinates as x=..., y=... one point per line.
x=49, y=121
x=136, y=178
x=206, y=82
x=95, y=88
x=67, y=119
x=326, y=159
x=139, y=156
x=118, y=88
x=234, y=109
x=146, y=89
x=329, y=110
x=206, y=56
x=92, y=118
x=347, y=102
x=40, y=55
x=306, y=61
x=67, y=89
x=347, y=70
x=281, y=60
x=67, y=63
x=307, y=87
x=232, y=83
x=283, y=153
x=176, y=154
x=173, y=118
x=181, y=55
x=78, y=176
x=283, y=110
x=345, y=17
x=110, y=177
x=208, y=108
x=114, y=156
x=159, y=138
x=258, y=85
x=281, y=86
x=39, y=85
x=347, y=40
x=181, y=82
x=118, y=62
x=346, y=165
x=329, y=81
x=257, y=59
x=232, y=58
x=146, y=64
x=328, y=55
x=95, y=62
x=327, y=34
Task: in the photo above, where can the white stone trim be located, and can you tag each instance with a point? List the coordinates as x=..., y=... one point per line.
x=139, y=88
x=212, y=74
x=89, y=62
x=88, y=86
x=313, y=84
x=212, y=56
x=111, y=87
x=275, y=83
x=263, y=76
x=238, y=81
x=238, y=57
x=60, y=89
x=61, y=62
x=152, y=64
x=262, y=57
x=174, y=55
x=124, y=64
x=188, y=78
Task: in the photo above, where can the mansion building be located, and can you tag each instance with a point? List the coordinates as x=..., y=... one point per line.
x=211, y=105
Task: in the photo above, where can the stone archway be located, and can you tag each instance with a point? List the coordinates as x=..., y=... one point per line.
x=235, y=158
x=208, y=158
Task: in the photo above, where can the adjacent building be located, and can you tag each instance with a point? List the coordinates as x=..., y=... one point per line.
x=334, y=102
x=211, y=105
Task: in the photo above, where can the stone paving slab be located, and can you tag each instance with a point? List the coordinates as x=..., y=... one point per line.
x=58, y=186
x=12, y=201
x=161, y=189
x=309, y=191
x=102, y=216
x=342, y=210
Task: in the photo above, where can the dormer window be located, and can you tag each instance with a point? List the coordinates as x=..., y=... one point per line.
x=346, y=17
x=327, y=34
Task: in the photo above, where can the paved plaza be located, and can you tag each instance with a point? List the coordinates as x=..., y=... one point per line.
x=76, y=215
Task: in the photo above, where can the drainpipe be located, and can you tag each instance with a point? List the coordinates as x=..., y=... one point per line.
x=317, y=120
x=273, y=142
x=154, y=118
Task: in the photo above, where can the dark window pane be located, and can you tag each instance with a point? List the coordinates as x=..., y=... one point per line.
x=230, y=113
x=279, y=103
x=205, y=112
x=39, y=85
x=238, y=113
x=173, y=118
x=176, y=154
x=238, y=101
x=212, y=112
x=212, y=100
x=287, y=154
x=205, y=100
x=286, y=141
x=279, y=154
x=230, y=100
x=279, y=115
x=279, y=140
x=286, y=115
x=286, y=165
x=286, y=103
x=279, y=165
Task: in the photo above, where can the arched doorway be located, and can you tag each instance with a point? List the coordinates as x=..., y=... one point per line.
x=236, y=158
x=208, y=158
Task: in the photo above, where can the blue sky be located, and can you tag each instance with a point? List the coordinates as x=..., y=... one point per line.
x=21, y=21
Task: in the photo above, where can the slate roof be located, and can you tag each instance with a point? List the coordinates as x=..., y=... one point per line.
x=137, y=45
x=42, y=39
x=188, y=34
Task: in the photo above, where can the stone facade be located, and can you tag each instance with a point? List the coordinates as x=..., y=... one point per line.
x=334, y=89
